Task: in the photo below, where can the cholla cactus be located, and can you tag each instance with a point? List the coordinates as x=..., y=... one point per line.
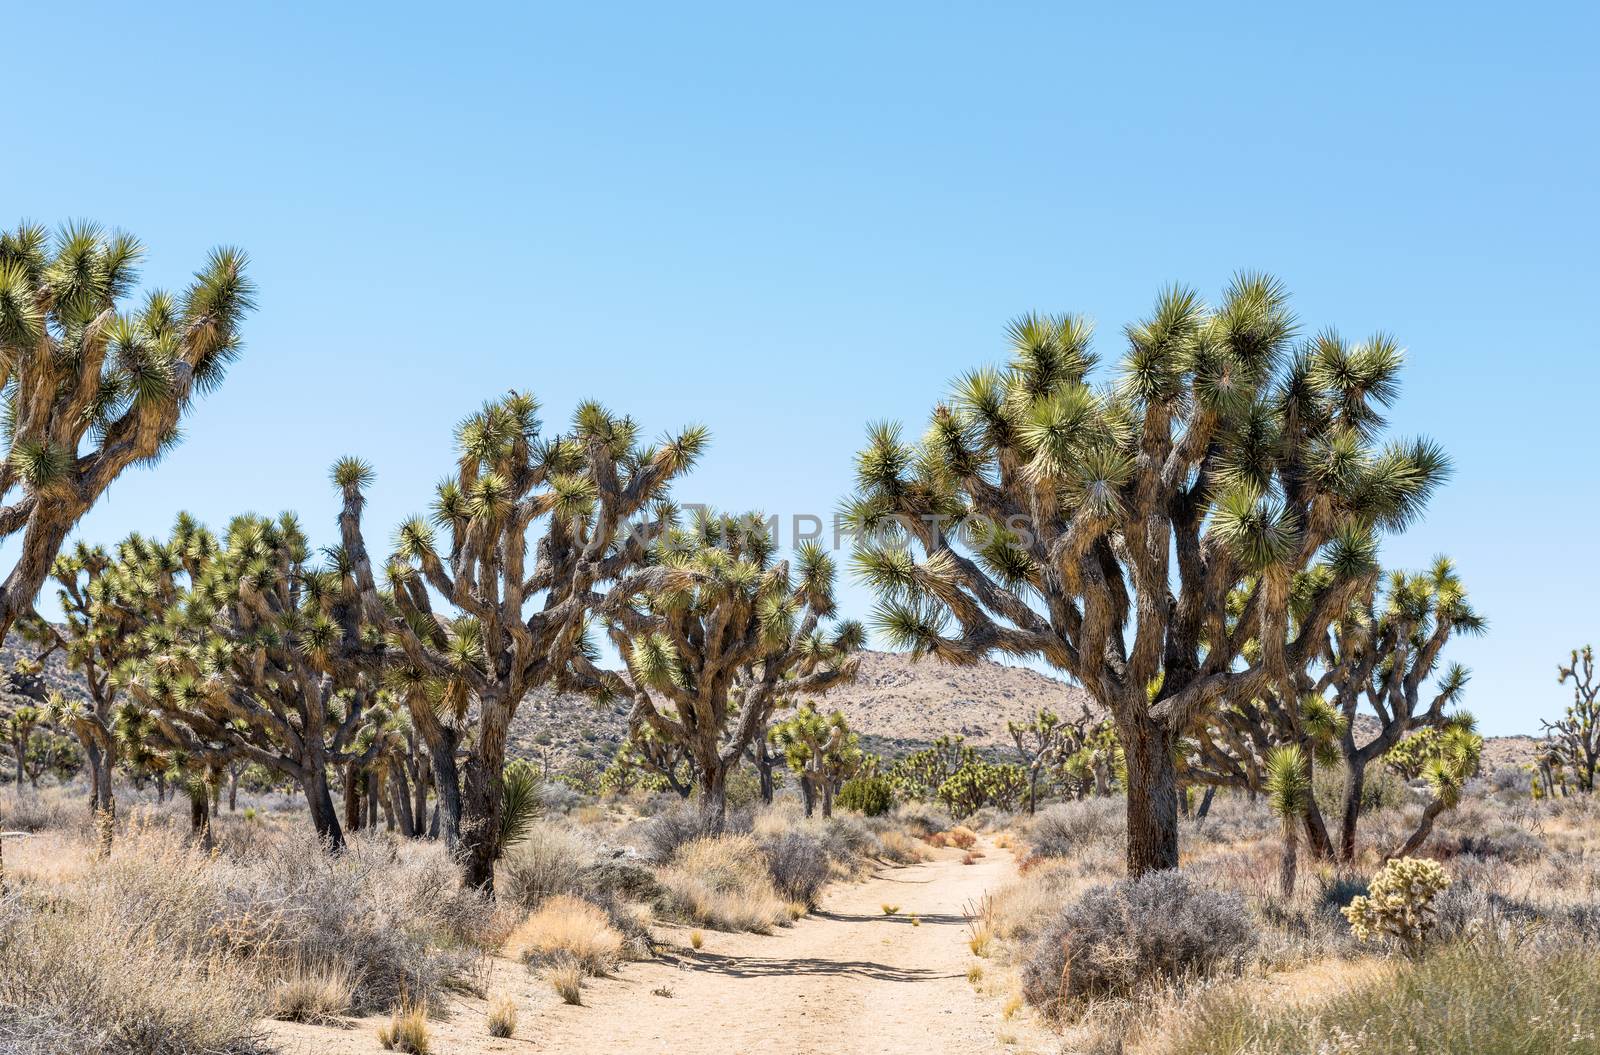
x=1399, y=903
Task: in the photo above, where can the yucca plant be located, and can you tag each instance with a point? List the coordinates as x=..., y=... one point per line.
x=720, y=635
x=1288, y=795
x=537, y=531
x=1101, y=529
x=90, y=386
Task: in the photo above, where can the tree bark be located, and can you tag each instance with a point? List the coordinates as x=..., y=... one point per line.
x=447, y=789
x=1355, y=775
x=714, y=797
x=1424, y=829
x=324, y=817
x=1205, y=804
x=481, y=798
x=1289, y=865
x=1152, y=797
x=405, y=817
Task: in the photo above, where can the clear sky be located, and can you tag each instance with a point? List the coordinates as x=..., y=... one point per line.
x=785, y=224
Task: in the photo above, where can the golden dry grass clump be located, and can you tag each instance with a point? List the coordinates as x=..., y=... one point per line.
x=502, y=1017
x=320, y=994
x=723, y=882
x=961, y=837
x=569, y=930
x=407, y=1032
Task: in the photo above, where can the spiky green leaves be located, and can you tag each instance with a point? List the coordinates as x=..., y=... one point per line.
x=1258, y=529
x=352, y=472
x=1288, y=782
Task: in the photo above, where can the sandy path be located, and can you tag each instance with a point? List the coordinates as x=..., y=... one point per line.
x=846, y=979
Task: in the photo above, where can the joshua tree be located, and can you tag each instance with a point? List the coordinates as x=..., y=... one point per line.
x=668, y=764
x=105, y=602
x=1232, y=746
x=1454, y=759
x=263, y=657
x=90, y=388
x=1041, y=743
x=1380, y=653
x=721, y=639
x=1288, y=792
x=516, y=600
x=822, y=751
x=919, y=775
x=1104, y=530
x=1574, y=740
x=19, y=727
x=977, y=784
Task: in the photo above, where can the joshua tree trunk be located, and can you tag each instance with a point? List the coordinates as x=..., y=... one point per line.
x=1354, y=778
x=1205, y=803
x=161, y=787
x=766, y=762
x=827, y=798
x=200, y=817
x=373, y=796
x=323, y=814
x=402, y=811
x=233, y=788
x=808, y=791
x=714, y=796
x=19, y=746
x=352, y=798
x=447, y=787
x=1288, y=867
x=1317, y=840
x=481, y=796
x=1152, y=797
x=1424, y=829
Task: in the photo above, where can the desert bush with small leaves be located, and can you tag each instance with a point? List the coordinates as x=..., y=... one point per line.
x=1114, y=939
x=797, y=860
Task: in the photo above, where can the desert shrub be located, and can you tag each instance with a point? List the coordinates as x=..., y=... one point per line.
x=1115, y=938
x=798, y=864
x=1335, y=892
x=76, y=977
x=847, y=840
x=870, y=796
x=1399, y=903
x=38, y=810
x=722, y=883
x=550, y=860
x=659, y=837
x=922, y=818
x=565, y=929
x=1064, y=830
x=556, y=797
x=961, y=837
x=1505, y=842
x=1475, y=997
x=897, y=847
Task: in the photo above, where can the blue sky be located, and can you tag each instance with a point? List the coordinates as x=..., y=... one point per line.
x=785, y=224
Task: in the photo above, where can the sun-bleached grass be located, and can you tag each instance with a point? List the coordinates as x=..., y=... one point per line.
x=1479, y=997
x=502, y=1017
x=553, y=859
x=407, y=1031
x=318, y=994
x=723, y=883
x=567, y=980
x=568, y=930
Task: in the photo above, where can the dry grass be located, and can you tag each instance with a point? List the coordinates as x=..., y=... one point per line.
x=981, y=940
x=502, y=1017
x=568, y=930
x=888, y=909
x=696, y=939
x=407, y=1032
x=723, y=883
x=318, y=994
x=567, y=980
x=900, y=848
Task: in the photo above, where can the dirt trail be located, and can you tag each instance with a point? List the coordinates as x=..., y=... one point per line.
x=844, y=980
